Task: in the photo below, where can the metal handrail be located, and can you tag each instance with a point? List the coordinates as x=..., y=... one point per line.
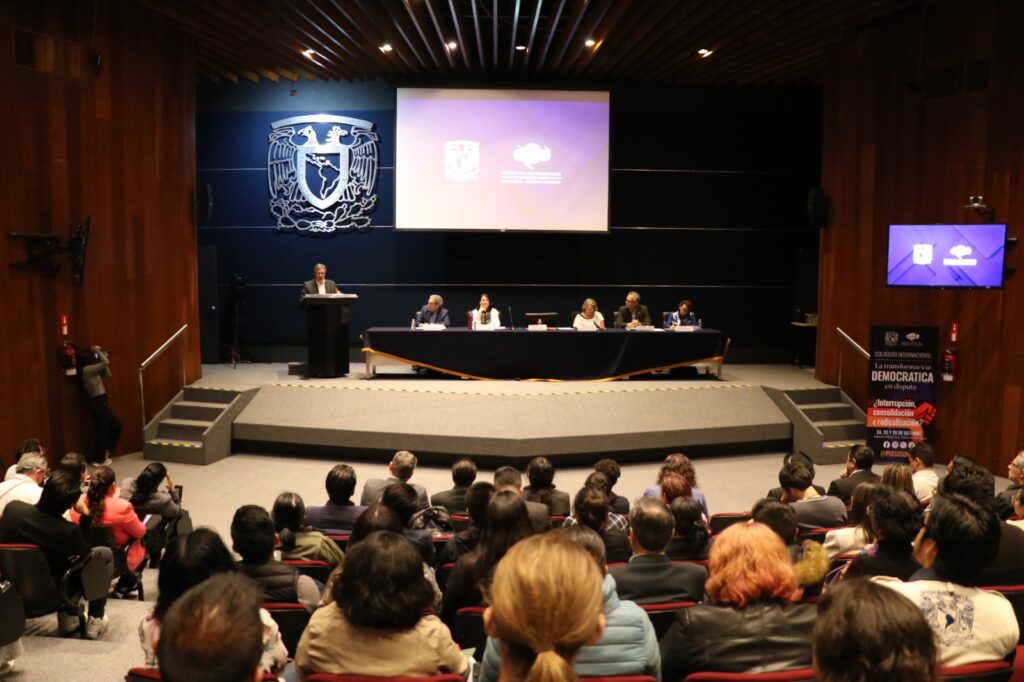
x=859, y=348
x=153, y=356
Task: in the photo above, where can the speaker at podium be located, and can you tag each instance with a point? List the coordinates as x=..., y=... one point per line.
x=327, y=319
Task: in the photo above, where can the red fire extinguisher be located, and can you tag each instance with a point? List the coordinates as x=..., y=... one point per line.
x=949, y=356
x=68, y=350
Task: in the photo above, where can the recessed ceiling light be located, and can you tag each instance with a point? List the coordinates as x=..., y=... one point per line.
x=452, y=45
x=704, y=53
x=521, y=48
x=385, y=48
x=310, y=54
x=590, y=42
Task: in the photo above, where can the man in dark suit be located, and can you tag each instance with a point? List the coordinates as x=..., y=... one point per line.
x=319, y=284
x=633, y=314
x=650, y=576
x=401, y=499
x=509, y=478
x=402, y=466
x=776, y=493
x=857, y=471
x=454, y=500
x=339, y=514
x=433, y=312
x=812, y=509
x=541, y=473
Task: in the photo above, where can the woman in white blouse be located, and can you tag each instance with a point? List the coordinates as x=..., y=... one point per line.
x=485, y=317
x=858, y=534
x=589, y=319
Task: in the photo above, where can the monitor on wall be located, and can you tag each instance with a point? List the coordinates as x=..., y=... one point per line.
x=533, y=160
x=965, y=256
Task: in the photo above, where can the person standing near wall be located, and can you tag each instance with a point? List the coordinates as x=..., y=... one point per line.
x=95, y=365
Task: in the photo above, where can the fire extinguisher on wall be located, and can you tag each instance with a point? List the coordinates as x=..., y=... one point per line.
x=949, y=356
x=68, y=350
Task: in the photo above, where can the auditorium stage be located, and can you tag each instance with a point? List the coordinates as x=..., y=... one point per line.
x=500, y=422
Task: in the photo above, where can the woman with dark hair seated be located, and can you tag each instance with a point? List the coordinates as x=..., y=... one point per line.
x=895, y=518
x=854, y=536
x=106, y=508
x=751, y=623
x=145, y=495
x=298, y=539
x=506, y=523
x=189, y=561
x=376, y=625
x=680, y=464
x=619, y=522
x=464, y=542
x=590, y=508
x=691, y=538
x=865, y=633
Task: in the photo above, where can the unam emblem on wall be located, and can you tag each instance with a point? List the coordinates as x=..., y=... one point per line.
x=322, y=187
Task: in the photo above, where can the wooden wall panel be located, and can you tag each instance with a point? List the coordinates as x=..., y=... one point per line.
x=117, y=145
x=891, y=154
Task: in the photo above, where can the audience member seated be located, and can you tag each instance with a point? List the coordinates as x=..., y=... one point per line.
x=684, y=316
x=674, y=486
x=589, y=318
x=144, y=491
x=107, y=508
x=376, y=624
x=27, y=446
x=506, y=523
x=900, y=477
x=616, y=522
x=858, y=470
x=541, y=474
x=776, y=493
x=433, y=312
x=812, y=510
x=454, y=500
x=922, y=463
x=1018, y=510
x=401, y=468
x=340, y=513
x=464, y=542
x=297, y=539
x=190, y=560
x=633, y=314
x=402, y=499
x=1014, y=472
x=26, y=483
x=61, y=541
x=977, y=484
x=75, y=463
x=680, y=464
x=862, y=633
x=214, y=633
x=857, y=534
x=628, y=646
x=810, y=560
x=959, y=538
x=612, y=471
x=691, y=537
x=895, y=517
x=509, y=478
x=650, y=576
x=750, y=623
x=253, y=538
x=590, y=509
x=536, y=642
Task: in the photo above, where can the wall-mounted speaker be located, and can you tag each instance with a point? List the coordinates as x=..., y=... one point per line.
x=817, y=208
x=204, y=204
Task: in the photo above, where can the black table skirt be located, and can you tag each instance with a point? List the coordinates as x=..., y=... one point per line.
x=552, y=354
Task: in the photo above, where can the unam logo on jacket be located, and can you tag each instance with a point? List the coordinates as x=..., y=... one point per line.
x=951, y=616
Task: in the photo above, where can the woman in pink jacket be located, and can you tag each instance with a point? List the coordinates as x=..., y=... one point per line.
x=106, y=508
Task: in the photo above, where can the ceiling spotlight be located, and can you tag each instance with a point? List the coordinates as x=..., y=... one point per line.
x=310, y=54
x=705, y=53
x=590, y=42
x=452, y=45
x=385, y=48
x=521, y=48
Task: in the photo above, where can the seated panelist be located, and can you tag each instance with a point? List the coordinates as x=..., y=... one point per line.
x=589, y=319
x=319, y=284
x=683, y=317
x=433, y=312
x=486, y=317
x=633, y=314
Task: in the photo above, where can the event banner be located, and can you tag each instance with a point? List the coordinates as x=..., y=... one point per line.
x=901, y=390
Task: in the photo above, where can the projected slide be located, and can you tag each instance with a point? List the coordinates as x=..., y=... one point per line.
x=946, y=255
x=501, y=160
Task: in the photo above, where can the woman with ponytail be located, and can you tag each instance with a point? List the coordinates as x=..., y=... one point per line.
x=545, y=604
x=106, y=508
x=298, y=539
x=691, y=539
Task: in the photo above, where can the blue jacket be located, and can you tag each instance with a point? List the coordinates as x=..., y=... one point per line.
x=627, y=647
x=672, y=319
x=440, y=317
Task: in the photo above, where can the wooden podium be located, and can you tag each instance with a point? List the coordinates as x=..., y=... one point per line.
x=327, y=318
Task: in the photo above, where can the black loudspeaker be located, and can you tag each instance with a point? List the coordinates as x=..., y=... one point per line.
x=817, y=208
x=204, y=204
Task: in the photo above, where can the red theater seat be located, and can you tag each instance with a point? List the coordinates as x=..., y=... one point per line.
x=780, y=676
x=317, y=570
x=291, y=618
x=720, y=522
x=994, y=671
x=664, y=614
x=328, y=677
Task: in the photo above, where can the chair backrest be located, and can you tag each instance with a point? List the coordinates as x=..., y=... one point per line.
x=699, y=562
x=720, y=522
x=340, y=539
x=102, y=536
x=779, y=676
x=328, y=677
x=440, y=541
x=815, y=534
x=442, y=574
x=468, y=629
x=148, y=674
x=25, y=566
x=460, y=522
x=291, y=619
x=665, y=314
x=12, y=615
x=315, y=569
x=1015, y=595
x=992, y=671
x=619, y=678
x=664, y=614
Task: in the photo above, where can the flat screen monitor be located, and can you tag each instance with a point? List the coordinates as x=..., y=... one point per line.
x=509, y=160
x=550, y=319
x=946, y=255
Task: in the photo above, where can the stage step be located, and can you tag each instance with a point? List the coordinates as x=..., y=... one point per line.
x=195, y=427
x=826, y=422
x=840, y=429
x=828, y=411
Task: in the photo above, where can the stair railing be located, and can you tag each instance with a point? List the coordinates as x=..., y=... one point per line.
x=856, y=346
x=148, y=361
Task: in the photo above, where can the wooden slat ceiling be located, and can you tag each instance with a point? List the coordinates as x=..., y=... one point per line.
x=751, y=41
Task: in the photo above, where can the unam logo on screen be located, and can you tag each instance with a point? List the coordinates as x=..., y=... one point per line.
x=530, y=155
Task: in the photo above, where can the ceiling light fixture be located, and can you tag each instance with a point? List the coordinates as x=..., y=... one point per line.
x=704, y=53
x=452, y=45
x=310, y=54
x=521, y=48
x=590, y=42
x=385, y=48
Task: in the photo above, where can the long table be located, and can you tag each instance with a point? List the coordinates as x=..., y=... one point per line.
x=562, y=354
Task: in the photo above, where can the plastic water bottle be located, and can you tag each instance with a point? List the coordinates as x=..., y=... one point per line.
x=700, y=323
x=412, y=324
